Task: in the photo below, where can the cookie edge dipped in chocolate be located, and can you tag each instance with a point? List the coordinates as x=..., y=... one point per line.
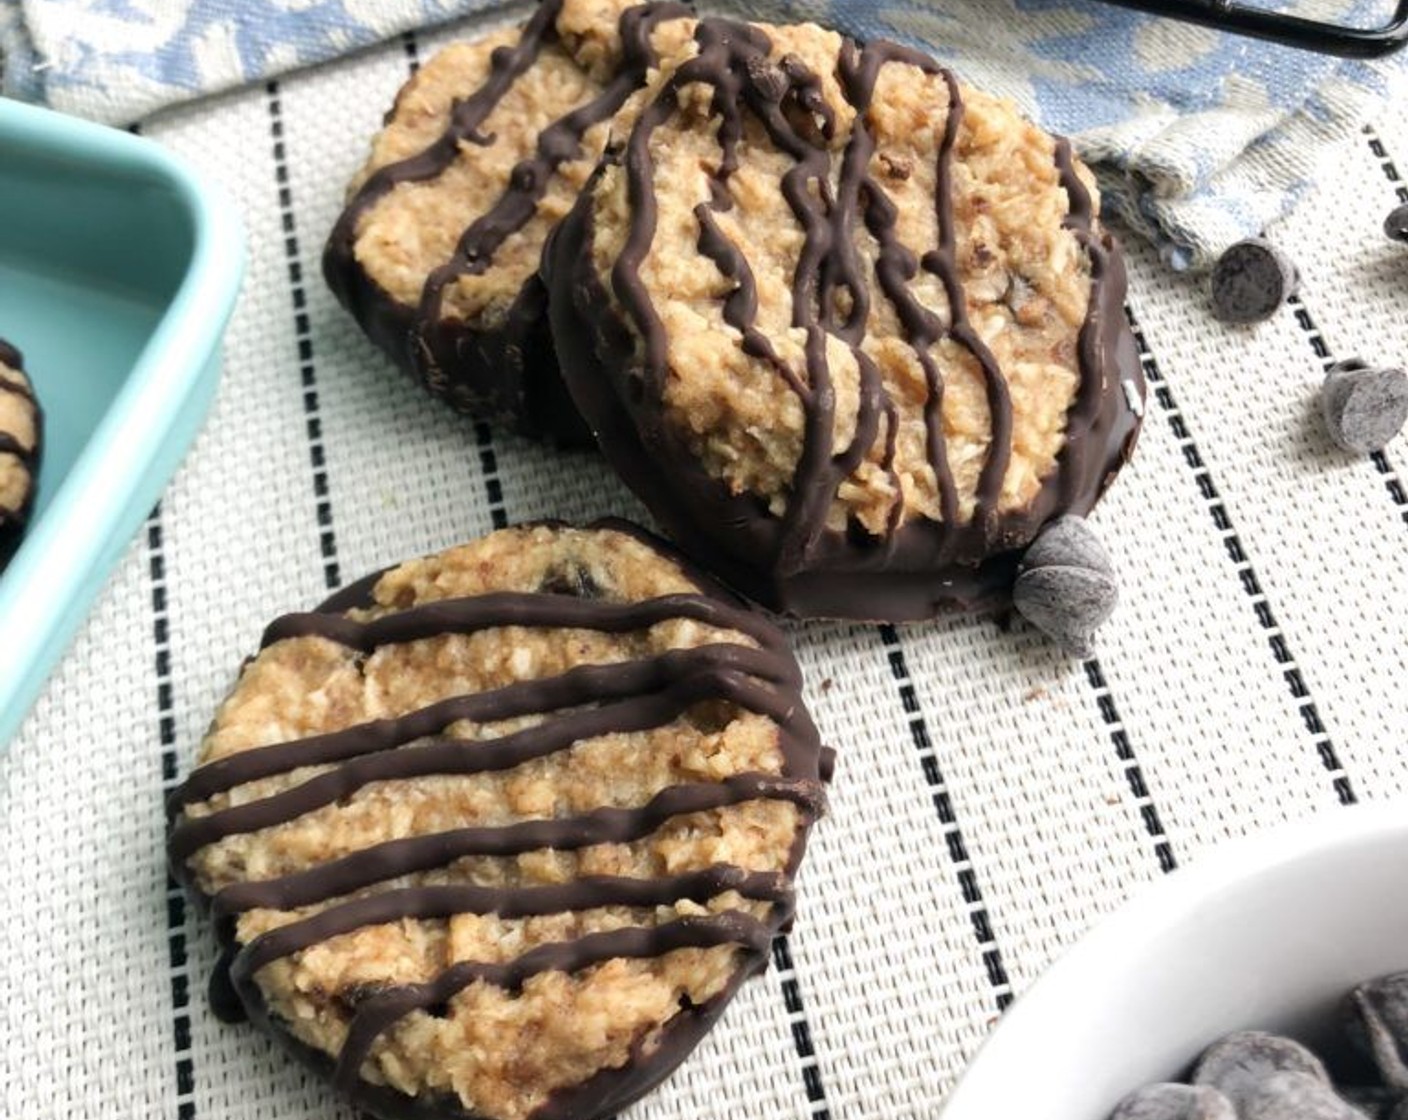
x=806, y=766
x=508, y=375
x=13, y=523
x=921, y=569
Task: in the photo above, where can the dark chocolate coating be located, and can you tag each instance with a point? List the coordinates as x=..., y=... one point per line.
x=14, y=522
x=795, y=564
x=507, y=373
x=589, y=700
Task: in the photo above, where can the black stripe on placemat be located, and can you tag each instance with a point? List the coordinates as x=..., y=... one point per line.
x=801, y=1030
x=307, y=372
x=178, y=960
x=1217, y=510
x=489, y=468
x=943, y=805
x=1124, y=751
x=1392, y=483
x=1390, y=169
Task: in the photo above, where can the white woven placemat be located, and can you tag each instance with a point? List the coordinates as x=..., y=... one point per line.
x=992, y=800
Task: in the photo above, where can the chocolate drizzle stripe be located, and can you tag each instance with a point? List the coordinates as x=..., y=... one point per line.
x=381, y=1011
x=895, y=267
x=9, y=445
x=741, y=305
x=507, y=65
x=509, y=608
x=734, y=59
x=394, y=858
x=468, y=757
x=16, y=387
x=438, y=902
x=587, y=683
x=528, y=182
x=943, y=263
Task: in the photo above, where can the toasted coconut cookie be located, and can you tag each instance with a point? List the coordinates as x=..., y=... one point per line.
x=499, y=832
x=487, y=146
x=21, y=424
x=853, y=331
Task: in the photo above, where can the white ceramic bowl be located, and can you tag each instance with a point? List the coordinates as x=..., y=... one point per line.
x=1267, y=932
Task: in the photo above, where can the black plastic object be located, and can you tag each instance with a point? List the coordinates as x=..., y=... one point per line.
x=1279, y=27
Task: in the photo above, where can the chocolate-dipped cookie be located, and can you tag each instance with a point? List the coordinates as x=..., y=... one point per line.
x=486, y=147
x=853, y=331
x=21, y=436
x=499, y=832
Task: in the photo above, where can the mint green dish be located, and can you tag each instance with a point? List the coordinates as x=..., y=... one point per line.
x=118, y=272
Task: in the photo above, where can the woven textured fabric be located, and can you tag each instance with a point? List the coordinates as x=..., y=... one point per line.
x=993, y=798
x=1200, y=138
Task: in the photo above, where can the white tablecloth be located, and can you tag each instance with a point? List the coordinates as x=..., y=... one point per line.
x=993, y=799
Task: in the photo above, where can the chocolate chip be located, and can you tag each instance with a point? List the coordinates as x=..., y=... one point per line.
x=1293, y=1095
x=768, y=79
x=1250, y=281
x=1363, y=407
x=896, y=167
x=1396, y=224
x=1378, y=1024
x=357, y=993
x=1066, y=603
x=1168, y=1101
x=570, y=579
x=1239, y=1063
x=1068, y=542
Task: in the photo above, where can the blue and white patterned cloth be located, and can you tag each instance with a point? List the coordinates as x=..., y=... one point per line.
x=1200, y=138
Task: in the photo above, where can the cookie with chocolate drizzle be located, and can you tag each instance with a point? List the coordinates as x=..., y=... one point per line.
x=436, y=254
x=853, y=331
x=21, y=431
x=499, y=832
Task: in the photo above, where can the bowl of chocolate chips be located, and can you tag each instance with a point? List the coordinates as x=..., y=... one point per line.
x=1267, y=980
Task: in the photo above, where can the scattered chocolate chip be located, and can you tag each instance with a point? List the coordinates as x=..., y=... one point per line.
x=1068, y=542
x=1066, y=603
x=1396, y=224
x=1240, y=1062
x=1168, y=1101
x=1066, y=584
x=1250, y=281
x=1363, y=407
x=1294, y=1095
x=1378, y=1024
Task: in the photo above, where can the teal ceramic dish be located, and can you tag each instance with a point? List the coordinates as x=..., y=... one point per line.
x=118, y=273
